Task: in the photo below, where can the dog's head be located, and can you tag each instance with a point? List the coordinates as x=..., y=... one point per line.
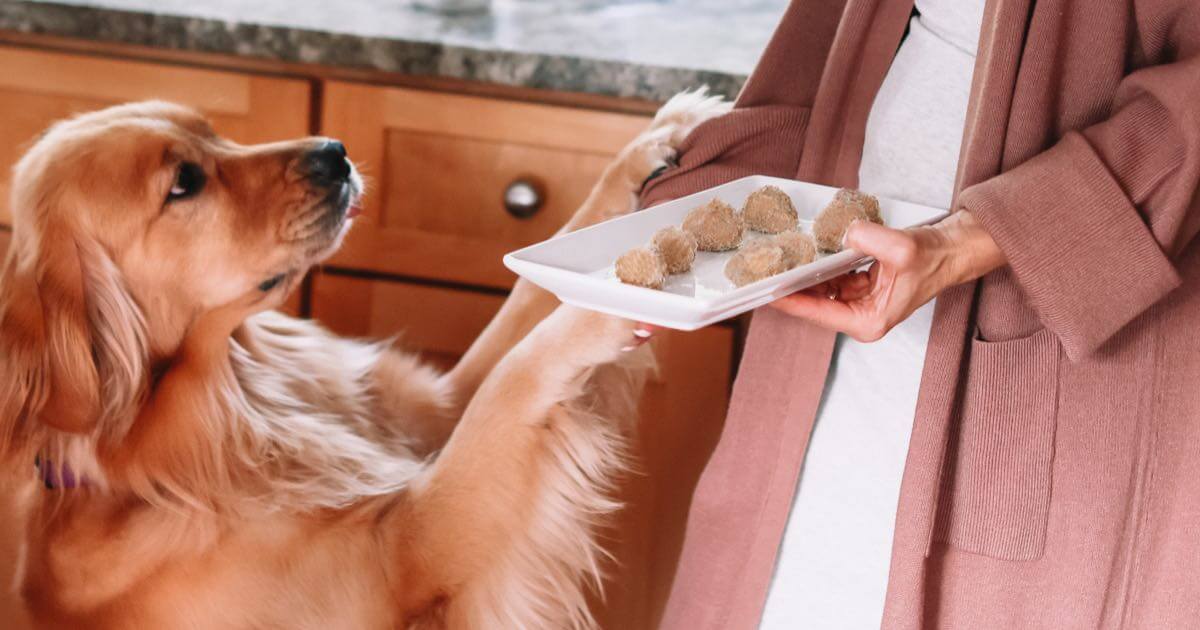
x=128, y=224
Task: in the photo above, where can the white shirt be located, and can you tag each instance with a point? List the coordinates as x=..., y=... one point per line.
x=833, y=562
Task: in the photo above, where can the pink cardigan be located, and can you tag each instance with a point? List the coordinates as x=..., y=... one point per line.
x=1053, y=476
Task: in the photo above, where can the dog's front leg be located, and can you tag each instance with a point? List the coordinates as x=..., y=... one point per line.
x=499, y=529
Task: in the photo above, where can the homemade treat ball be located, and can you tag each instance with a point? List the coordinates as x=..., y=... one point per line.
x=757, y=260
x=798, y=248
x=715, y=226
x=642, y=266
x=678, y=248
x=769, y=210
x=847, y=205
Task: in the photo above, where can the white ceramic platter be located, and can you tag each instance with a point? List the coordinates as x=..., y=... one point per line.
x=578, y=267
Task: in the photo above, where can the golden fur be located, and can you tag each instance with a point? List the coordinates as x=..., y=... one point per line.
x=245, y=469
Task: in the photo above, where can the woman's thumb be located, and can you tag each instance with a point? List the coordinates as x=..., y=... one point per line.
x=880, y=242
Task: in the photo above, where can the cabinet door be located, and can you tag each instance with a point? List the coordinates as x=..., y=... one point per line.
x=38, y=88
x=681, y=414
x=438, y=166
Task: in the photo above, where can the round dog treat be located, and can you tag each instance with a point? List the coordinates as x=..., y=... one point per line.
x=678, y=248
x=642, y=266
x=715, y=226
x=769, y=210
x=757, y=260
x=798, y=248
x=847, y=205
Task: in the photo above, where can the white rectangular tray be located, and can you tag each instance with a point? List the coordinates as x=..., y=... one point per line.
x=578, y=267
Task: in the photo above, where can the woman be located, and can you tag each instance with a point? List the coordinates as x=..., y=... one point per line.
x=1049, y=478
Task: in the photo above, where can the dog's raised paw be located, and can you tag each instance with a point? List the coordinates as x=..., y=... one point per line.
x=686, y=111
x=658, y=146
x=599, y=338
x=648, y=153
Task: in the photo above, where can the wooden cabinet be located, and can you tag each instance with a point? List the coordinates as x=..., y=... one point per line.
x=680, y=418
x=437, y=168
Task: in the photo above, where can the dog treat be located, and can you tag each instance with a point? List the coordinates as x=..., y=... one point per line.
x=847, y=205
x=678, y=248
x=642, y=266
x=755, y=261
x=798, y=248
x=769, y=210
x=715, y=226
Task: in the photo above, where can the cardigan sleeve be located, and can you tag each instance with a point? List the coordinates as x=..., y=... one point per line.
x=763, y=140
x=1090, y=226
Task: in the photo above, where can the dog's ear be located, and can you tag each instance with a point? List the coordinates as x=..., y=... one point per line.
x=72, y=337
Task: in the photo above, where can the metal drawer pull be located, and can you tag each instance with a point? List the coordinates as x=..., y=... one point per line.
x=523, y=198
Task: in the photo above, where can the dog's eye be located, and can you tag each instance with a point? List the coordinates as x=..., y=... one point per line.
x=189, y=180
x=271, y=283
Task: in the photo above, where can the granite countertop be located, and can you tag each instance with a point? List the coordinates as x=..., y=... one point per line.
x=646, y=49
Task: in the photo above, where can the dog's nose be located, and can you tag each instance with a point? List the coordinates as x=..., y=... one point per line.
x=327, y=164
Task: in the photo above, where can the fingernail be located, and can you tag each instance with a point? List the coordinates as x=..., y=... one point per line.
x=847, y=232
x=631, y=347
x=641, y=333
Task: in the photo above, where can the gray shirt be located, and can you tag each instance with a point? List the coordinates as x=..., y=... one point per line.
x=833, y=562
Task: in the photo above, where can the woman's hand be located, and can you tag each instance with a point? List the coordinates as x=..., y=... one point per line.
x=910, y=268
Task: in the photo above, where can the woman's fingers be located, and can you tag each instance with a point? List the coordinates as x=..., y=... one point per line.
x=832, y=314
x=846, y=304
x=853, y=286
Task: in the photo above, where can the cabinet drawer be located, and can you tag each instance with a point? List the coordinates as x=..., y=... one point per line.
x=439, y=323
x=438, y=166
x=38, y=88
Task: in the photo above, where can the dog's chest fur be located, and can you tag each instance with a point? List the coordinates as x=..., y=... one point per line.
x=103, y=565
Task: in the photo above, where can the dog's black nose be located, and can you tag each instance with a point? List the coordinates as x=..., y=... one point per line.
x=327, y=165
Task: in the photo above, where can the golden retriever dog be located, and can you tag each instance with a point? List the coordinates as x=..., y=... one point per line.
x=204, y=462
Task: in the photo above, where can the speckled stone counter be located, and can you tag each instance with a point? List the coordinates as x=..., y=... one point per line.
x=644, y=49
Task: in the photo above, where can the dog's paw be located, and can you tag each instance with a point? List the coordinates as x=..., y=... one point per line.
x=657, y=147
x=598, y=338
x=686, y=111
x=649, y=153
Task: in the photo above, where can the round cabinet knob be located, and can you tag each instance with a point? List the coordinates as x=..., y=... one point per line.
x=523, y=198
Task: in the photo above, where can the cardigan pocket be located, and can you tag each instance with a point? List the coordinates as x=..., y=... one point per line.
x=996, y=480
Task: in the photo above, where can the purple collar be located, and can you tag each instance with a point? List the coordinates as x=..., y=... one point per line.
x=57, y=477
